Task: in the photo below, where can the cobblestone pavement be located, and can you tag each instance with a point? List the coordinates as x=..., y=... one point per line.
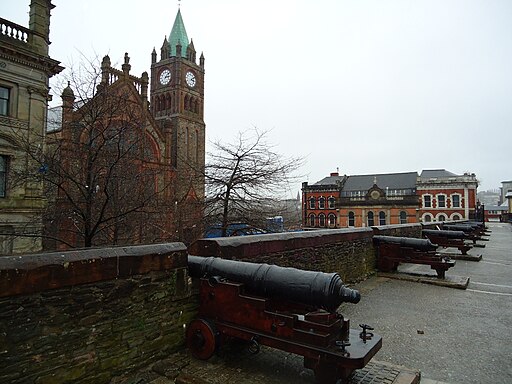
x=450, y=335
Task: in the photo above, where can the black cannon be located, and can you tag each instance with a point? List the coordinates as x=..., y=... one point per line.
x=472, y=232
x=391, y=251
x=285, y=308
x=325, y=290
x=448, y=239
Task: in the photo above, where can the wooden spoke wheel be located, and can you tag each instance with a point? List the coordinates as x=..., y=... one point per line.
x=201, y=339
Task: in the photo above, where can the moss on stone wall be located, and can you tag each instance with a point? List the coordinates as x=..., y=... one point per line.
x=93, y=332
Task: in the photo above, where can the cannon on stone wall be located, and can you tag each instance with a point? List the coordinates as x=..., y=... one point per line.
x=474, y=231
x=284, y=308
x=448, y=239
x=392, y=250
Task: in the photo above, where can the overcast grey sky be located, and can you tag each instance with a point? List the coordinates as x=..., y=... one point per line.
x=366, y=86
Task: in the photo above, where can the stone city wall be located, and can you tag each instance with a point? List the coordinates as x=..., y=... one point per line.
x=349, y=252
x=87, y=316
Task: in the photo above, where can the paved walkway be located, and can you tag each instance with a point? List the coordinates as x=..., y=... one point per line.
x=450, y=335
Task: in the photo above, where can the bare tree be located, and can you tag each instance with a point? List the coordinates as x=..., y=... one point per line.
x=102, y=180
x=245, y=178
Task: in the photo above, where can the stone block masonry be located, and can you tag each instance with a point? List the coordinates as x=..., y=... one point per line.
x=87, y=316
x=348, y=252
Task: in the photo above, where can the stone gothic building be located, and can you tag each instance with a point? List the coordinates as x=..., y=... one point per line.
x=25, y=69
x=127, y=170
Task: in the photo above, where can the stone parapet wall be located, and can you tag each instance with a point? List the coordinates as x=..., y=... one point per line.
x=400, y=230
x=90, y=315
x=87, y=316
x=349, y=252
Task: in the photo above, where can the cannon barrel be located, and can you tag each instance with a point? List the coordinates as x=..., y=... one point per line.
x=447, y=234
x=324, y=290
x=418, y=244
x=458, y=227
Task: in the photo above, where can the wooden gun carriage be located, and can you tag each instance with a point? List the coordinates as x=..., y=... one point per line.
x=284, y=308
x=448, y=239
x=391, y=251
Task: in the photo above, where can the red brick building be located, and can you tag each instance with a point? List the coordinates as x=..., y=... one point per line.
x=394, y=198
x=360, y=200
x=127, y=166
x=445, y=196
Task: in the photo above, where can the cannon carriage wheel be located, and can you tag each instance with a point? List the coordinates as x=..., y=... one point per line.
x=202, y=339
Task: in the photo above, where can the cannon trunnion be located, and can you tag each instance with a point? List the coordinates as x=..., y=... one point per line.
x=391, y=251
x=284, y=308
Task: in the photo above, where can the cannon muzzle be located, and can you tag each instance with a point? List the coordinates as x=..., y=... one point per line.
x=322, y=290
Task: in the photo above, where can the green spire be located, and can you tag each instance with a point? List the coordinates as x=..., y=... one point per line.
x=178, y=35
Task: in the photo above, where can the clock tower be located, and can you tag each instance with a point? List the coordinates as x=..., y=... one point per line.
x=177, y=105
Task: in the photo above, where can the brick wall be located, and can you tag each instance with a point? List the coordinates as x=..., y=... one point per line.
x=87, y=316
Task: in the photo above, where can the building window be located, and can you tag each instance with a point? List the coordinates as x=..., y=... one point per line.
x=456, y=217
x=371, y=222
x=321, y=220
x=321, y=203
x=455, y=201
x=331, y=202
x=312, y=221
x=3, y=175
x=403, y=217
x=441, y=218
x=441, y=201
x=427, y=218
x=382, y=218
x=4, y=101
x=351, y=219
x=331, y=220
x=427, y=201
x=311, y=203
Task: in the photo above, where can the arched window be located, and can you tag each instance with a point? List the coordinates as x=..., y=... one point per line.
x=441, y=218
x=427, y=218
x=331, y=220
x=311, y=203
x=382, y=218
x=370, y=221
x=456, y=217
x=403, y=217
x=351, y=219
x=321, y=203
x=321, y=220
x=312, y=221
x=331, y=202
x=168, y=101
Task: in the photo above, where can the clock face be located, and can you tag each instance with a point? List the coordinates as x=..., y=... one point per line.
x=165, y=77
x=191, y=79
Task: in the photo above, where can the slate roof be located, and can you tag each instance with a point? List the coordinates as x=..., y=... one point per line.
x=406, y=180
x=329, y=180
x=436, y=173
